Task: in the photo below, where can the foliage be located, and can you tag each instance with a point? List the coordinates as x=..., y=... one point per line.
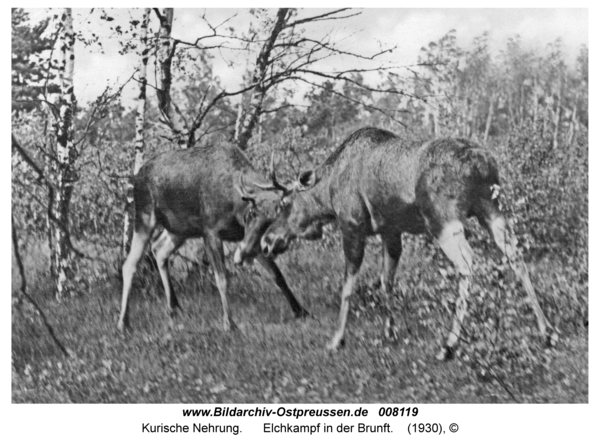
x=29, y=71
x=273, y=359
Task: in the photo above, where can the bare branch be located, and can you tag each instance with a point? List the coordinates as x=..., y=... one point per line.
x=327, y=46
x=350, y=99
x=25, y=294
x=101, y=102
x=258, y=77
x=47, y=77
x=51, y=194
x=285, y=105
x=29, y=160
x=51, y=105
x=322, y=17
x=158, y=14
x=340, y=76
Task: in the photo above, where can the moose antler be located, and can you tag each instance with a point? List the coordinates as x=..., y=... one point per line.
x=274, y=185
x=241, y=189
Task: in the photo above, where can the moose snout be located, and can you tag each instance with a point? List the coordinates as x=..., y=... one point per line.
x=271, y=244
x=265, y=245
x=242, y=256
x=238, y=257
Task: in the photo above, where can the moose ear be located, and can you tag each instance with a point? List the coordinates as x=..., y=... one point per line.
x=307, y=180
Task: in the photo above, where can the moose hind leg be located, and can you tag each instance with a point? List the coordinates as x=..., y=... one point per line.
x=214, y=247
x=454, y=244
x=507, y=243
x=139, y=241
x=162, y=248
x=391, y=249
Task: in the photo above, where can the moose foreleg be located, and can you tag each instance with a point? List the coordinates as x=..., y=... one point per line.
x=507, y=243
x=354, y=249
x=273, y=270
x=138, y=245
x=162, y=248
x=454, y=244
x=392, y=249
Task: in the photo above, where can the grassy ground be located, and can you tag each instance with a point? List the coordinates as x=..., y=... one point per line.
x=273, y=357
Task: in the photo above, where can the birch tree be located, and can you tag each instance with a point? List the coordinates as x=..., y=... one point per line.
x=248, y=122
x=66, y=154
x=166, y=47
x=140, y=121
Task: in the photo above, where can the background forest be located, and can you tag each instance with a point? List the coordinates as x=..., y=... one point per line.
x=72, y=169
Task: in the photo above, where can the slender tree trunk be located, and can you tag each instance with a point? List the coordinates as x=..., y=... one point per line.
x=572, y=124
x=258, y=78
x=165, y=53
x=535, y=102
x=24, y=294
x=535, y=107
x=261, y=118
x=511, y=113
x=466, y=114
x=545, y=119
x=140, y=120
x=239, y=119
x=435, y=121
x=67, y=156
x=472, y=118
x=490, y=116
x=557, y=114
x=521, y=109
x=49, y=168
x=49, y=174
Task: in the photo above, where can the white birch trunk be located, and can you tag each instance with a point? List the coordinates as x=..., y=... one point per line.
x=572, y=124
x=557, y=118
x=490, y=116
x=239, y=119
x=166, y=50
x=66, y=155
x=260, y=90
x=140, y=120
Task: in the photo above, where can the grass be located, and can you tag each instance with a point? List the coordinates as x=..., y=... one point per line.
x=273, y=357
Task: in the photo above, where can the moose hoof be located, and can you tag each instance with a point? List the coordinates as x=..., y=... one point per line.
x=123, y=327
x=390, y=331
x=173, y=310
x=446, y=354
x=229, y=325
x=335, y=344
x=375, y=284
x=302, y=313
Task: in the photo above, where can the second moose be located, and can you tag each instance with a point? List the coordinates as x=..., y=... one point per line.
x=196, y=193
x=375, y=184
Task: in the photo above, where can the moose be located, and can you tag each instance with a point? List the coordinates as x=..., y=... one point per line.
x=375, y=184
x=201, y=192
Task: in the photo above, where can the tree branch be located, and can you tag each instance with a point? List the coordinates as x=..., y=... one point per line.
x=366, y=105
x=322, y=17
x=24, y=294
x=51, y=193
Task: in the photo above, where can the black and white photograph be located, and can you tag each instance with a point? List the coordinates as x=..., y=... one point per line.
x=299, y=206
